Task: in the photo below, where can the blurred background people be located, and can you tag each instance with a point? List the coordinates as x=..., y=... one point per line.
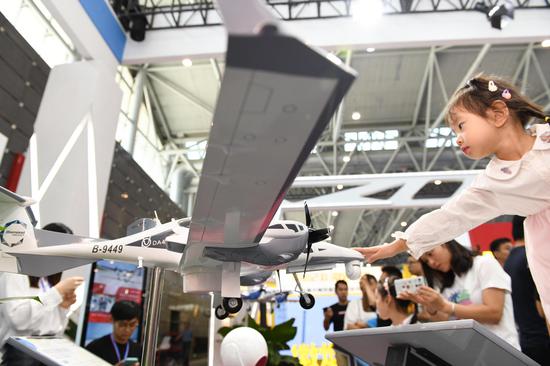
x=29, y=317
x=360, y=311
x=533, y=332
x=335, y=313
x=117, y=346
x=415, y=267
x=501, y=249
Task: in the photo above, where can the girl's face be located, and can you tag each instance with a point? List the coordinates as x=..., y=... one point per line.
x=477, y=137
x=439, y=258
x=382, y=305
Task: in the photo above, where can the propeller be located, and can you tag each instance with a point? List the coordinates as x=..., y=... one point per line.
x=314, y=235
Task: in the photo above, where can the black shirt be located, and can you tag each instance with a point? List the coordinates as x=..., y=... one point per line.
x=103, y=348
x=338, y=313
x=532, y=328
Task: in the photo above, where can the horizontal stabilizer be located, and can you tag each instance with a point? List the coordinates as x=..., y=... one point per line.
x=42, y=265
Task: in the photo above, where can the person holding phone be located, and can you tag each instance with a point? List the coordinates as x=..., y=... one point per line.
x=463, y=286
x=117, y=348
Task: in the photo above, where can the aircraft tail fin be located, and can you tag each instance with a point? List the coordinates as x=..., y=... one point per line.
x=19, y=238
x=16, y=222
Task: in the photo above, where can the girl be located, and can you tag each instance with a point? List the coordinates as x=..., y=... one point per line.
x=467, y=287
x=489, y=117
x=390, y=307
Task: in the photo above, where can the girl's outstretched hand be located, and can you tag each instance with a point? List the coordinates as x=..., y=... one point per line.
x=373, y=254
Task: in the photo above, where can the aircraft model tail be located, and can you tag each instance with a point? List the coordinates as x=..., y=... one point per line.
x=16, y=222
x=19, y=238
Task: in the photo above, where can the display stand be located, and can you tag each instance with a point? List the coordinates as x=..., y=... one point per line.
x=459, y=342
x=54, y=351
x=155, y=284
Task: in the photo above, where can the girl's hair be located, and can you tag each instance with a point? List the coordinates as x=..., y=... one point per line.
x=402, y=305
x=477, y=96
x=461, y=261
x=53, y=279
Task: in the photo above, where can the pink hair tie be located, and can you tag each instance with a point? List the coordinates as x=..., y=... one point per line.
x=506, y=94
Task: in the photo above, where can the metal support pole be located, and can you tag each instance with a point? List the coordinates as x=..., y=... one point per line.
x=135, y=106
x=155, y=284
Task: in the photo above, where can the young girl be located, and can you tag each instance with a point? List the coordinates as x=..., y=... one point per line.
x=489, y=117
x=388, y=306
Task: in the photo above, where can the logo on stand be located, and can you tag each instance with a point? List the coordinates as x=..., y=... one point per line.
x=13, y=233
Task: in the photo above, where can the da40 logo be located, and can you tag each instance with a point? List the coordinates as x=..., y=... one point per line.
x=148, y=242
x=13, y=233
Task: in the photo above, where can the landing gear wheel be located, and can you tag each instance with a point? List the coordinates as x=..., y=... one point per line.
x=221, y=313
x=232, y=304
x=307, y=301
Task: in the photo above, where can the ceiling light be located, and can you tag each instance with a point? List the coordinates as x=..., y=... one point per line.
x=334, y=213
x=124, y=195
x=545, y=43
x=346, y=159
x=403, y=223
x=356, y=116
x=187, y=62
x=339, y=186
x=371, y=49
x=437, y=182
x=498, y=15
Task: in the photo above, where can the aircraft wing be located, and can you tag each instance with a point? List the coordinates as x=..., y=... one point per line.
x=276, y=98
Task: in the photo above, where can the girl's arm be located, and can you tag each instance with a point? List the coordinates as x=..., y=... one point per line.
x=488, y=312
x=471, y=208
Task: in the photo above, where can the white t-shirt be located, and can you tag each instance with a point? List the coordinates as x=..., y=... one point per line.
x=467, y=289
x=355, y=313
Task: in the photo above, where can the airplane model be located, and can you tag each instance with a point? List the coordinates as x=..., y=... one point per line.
x=276, y=98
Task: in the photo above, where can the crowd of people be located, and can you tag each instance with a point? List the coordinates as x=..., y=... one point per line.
x=497, y=291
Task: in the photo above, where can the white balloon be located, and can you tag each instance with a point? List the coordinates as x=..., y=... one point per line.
x=244, y=346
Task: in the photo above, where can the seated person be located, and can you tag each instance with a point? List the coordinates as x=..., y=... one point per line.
x=389, y=307
x=117, y=346
x=466, y=287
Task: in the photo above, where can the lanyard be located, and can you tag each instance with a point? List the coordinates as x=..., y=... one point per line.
x=117, y=351
x=44, y=284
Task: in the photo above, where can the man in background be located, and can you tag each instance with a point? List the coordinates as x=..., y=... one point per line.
x=501, y=249
x=533, y=333
x=117, y=346
x=335, y=313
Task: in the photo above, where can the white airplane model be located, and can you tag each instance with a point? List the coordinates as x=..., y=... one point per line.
x=276, y=98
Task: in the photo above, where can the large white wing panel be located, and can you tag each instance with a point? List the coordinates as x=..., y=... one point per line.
x=249, y=158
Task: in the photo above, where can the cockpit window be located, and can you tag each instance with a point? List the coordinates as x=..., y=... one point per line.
x=276, y=226
x=292, y=227
x=184, y=222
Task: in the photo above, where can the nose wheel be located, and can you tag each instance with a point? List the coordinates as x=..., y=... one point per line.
x=307, y=301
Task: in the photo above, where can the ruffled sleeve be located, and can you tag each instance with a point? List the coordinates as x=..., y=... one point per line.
x=471, y=208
